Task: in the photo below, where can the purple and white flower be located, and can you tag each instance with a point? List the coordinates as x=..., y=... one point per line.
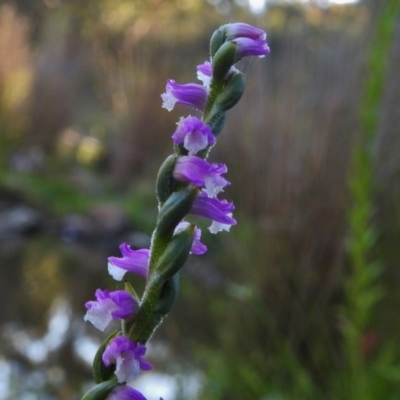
x=204, y=73
x=193, y=134
x=240, y=29
x=250, y=47
x=118, y=304
x=136, y=261
x=125, y=393
x=201, y=173
x=219, y=211
x=189, y=94
x=128, y=358
x=197, y=247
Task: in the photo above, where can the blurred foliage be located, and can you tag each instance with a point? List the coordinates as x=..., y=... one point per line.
x=363, y=287
x=286, y=305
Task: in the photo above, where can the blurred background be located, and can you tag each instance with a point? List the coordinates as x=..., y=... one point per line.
x=301, y=299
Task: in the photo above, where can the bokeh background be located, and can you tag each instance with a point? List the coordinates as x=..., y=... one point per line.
x=301, y=299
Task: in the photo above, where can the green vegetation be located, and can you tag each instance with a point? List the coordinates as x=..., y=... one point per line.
x=302, y=300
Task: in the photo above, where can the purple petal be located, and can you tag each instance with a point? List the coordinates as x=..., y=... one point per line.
x=190, y=94
x=219, y=211
x=110, y=305
x=125, y=393
x=127, y=304
x=197, y=247
x=99, y=313
x=204, y=73
x=136, y=261
x=201, y=173
x=127, y=356
x=193, y=134
x=250, y=47
x=240, y=29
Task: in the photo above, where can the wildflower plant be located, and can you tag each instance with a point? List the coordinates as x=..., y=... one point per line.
x=187, y=184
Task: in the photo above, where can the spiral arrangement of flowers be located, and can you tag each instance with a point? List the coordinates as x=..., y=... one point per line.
x=187, y=184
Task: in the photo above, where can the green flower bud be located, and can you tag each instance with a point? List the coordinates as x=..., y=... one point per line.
x=223, y=60
x=175, y=208
x=102, y=373
x=168, y=296
x=175, y=254
x=162, y=287
x=216, y=41
x=165, y=183
x=100, y=391
x=231, y=93
x=216, y=120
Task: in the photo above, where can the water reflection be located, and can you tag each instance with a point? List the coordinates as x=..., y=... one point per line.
x=44, y=284
x=169, y=387
x=37, y=350
x=47, y=349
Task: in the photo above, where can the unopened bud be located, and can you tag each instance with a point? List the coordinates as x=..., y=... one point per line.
x=232, y=92
x=175, y=254
x=223, y=60
x=165, y=183
x=216, y=41
x=101, y=373
x=173, y=211
x=100, y=391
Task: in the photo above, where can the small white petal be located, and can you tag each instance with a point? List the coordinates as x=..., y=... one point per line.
x=216, y=227
x=116, y=272
x=168, y=101
x=195, y=142
x=212, y=188
x=127, y=369
x=204, y=78
x=98, y=318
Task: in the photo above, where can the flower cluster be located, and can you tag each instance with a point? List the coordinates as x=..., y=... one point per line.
x=187, y=184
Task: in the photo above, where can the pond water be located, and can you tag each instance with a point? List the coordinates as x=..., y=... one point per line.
x=48, y=272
